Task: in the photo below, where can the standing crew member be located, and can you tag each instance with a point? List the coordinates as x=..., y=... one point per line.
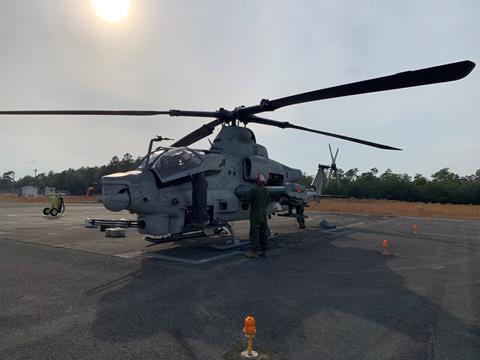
x=258, y=199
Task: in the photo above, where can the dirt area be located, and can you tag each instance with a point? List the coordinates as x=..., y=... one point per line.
x=44, y=199
x=396, y=208
x=348, y=206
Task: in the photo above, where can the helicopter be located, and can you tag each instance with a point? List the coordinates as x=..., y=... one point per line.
x=176, y=186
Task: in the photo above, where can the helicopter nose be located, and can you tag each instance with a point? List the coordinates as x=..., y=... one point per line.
x=115, y=197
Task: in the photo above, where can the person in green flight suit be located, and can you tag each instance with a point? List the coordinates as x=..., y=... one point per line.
x=258, y=197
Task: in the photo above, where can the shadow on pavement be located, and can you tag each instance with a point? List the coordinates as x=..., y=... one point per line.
x=298, y=297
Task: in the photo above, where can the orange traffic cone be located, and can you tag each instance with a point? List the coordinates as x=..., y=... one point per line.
x=385, y=248
x=249, y=329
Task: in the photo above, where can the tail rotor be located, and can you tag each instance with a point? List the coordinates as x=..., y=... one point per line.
x=333, y=167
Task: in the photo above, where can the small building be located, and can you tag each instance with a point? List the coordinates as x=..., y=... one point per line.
x=49, y=190
x=29, y=191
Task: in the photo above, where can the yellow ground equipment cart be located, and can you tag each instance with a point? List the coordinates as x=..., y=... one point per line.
x=56, y=205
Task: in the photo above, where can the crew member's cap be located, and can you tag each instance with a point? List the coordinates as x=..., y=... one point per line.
x=260, y=178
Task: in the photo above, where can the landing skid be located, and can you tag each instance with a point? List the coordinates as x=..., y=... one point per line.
x=234, y=241
x=218, y=228
x=159, y=239
x=214, y=230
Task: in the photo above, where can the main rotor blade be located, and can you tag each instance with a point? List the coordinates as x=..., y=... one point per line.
x=214, y=114
x=432, y=75
x=287, y=125
x=84, y=112
x=196, y=135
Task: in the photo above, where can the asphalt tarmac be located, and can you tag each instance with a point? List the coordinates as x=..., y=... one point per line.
x=68, y=292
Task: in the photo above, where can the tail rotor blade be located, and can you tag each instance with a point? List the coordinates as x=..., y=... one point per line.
x=330, y=173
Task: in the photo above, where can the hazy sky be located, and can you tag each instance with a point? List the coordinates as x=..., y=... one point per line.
x=202, y=55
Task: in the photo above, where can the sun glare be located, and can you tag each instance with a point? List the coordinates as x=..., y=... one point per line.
x=111, y=10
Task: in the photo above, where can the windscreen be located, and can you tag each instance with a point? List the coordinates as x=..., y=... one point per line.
x=153, y=157
x=176, y=161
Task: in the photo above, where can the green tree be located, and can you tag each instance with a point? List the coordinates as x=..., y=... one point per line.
x=305, y=180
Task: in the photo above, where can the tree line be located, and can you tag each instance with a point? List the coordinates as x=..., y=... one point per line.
x=74, y=181
x=443, y=186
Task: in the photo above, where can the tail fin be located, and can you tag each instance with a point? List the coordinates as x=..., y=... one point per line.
x=317, y=182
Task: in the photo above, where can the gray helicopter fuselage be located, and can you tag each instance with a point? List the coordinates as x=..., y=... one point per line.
x=160, y=193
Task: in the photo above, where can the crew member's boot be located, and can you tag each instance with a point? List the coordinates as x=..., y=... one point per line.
x=251, y=255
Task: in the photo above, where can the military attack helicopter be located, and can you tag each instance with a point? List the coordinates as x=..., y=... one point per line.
x=177, y=188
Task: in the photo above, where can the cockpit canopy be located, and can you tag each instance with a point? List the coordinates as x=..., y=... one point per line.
x=176, y=163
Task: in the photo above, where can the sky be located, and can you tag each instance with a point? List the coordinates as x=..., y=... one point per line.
x=203, y=55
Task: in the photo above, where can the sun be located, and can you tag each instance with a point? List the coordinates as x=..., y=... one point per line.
x=111, y=10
